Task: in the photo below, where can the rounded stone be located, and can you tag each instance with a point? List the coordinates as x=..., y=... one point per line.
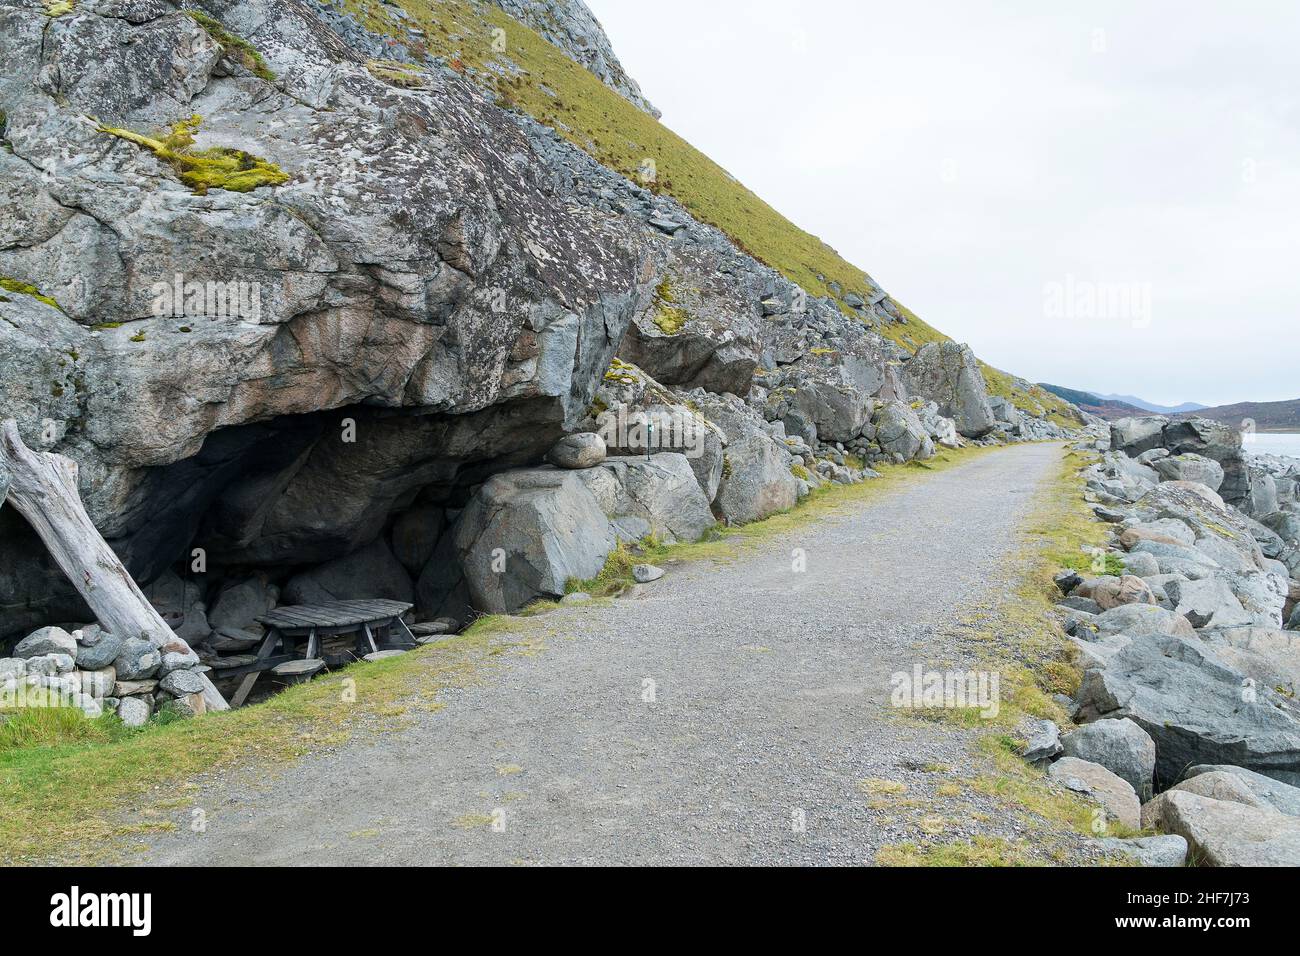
x=583, y=450
x=48, y=640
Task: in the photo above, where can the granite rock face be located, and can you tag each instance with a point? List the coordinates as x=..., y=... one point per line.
x=949, y=374
x=388, y=317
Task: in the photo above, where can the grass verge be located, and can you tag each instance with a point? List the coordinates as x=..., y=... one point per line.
x=66, y=783
x=1020, y=639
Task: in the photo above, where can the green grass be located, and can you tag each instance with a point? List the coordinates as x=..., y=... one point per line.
x=538, y=79
x=41, y=727
x=979, y=851
x=1020, y=639
x=235, y=46
x=217, y=168
x=66, y=782
x=396, y=73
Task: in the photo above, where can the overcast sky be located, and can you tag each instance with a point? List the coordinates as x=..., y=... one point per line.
x=1022, y=175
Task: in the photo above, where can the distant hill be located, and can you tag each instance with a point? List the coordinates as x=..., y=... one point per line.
x=1267, y=416
x=1152, y=406
x=1094, y=404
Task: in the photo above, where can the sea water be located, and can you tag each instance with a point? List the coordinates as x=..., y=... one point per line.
x=1273, y=444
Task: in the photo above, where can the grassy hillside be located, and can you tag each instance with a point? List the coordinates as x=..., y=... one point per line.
x=530, y=74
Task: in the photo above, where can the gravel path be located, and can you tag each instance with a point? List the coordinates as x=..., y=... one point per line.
x=770, y=707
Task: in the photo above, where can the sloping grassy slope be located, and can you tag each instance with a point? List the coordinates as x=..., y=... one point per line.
x=530, y=74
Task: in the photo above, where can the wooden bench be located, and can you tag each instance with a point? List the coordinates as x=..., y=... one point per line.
x=285, y=626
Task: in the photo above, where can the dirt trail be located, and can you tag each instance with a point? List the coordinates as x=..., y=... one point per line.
x=770, y=706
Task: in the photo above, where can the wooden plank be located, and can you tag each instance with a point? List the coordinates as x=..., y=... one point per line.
x=246, y=685
x=292, y=617
x=257, y=667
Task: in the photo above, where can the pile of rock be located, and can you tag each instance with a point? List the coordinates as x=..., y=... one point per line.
x=100, y=673
x=1186, y=631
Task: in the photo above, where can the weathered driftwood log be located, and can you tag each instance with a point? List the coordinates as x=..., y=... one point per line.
x=43, y=489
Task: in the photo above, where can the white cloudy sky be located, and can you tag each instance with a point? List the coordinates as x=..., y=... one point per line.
x=973, y=156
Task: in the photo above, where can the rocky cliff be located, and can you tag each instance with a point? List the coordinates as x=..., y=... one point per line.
x=291, y=282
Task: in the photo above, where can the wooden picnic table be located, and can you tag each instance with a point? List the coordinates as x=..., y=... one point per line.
x=285, y=625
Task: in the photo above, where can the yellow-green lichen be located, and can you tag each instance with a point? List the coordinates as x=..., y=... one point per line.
x=24, y=288
x=57, y=8
x=669, y=318
x=217, y=168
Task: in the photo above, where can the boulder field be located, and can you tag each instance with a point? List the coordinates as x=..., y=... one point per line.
x=316, y=329
x=1186, y=633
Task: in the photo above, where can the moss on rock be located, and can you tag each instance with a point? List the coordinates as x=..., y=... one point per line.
x=217, y=168
x=235, y=46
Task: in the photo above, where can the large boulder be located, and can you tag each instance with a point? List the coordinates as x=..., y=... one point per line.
x=1268, y=656
x=1121, y=746
x=1166, y=850
x=137, y=660
x=1203, y=437
x=1207, y=602
x=1263, y=595
x=949, y=374
x=899, y=432
x=1141, y=620
x=583, y=450
x=1114, y=793
x=241, y=603
x=1191, y=467
x=1260, y=498
x=526, y=534
x=1139, y=434
x=837, y=412
x=1195, y=707
x=1219, y=785
x=638, y=416
x=1224, y=832
x=1280, y=796
x=1112, y=592
x=662, y=491
x=48, y=640
x=96, y=648
x=1216, y=528
x=756, y=480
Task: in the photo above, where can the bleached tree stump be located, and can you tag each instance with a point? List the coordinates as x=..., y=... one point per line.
x=43, y=489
